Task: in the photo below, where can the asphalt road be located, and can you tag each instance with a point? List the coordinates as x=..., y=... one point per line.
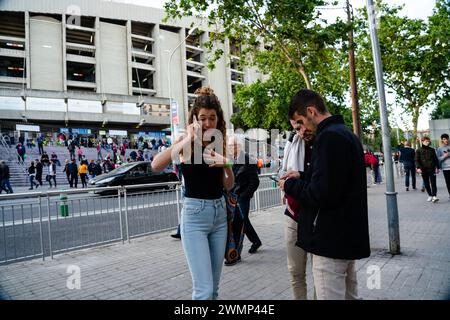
x=92, y=219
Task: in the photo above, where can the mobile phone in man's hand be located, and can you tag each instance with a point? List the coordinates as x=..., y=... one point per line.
x=274, y=178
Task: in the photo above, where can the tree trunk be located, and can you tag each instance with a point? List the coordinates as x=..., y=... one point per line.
x=300, y=69
x=305, y=76
x=415, y=120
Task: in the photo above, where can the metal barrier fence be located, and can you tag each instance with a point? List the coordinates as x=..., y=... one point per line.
x=41, y=224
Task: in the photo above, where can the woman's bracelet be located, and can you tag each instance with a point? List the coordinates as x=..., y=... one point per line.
x=228, y=165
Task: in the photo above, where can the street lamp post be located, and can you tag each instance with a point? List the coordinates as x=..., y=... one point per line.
x=172, y=128
x=391, y=195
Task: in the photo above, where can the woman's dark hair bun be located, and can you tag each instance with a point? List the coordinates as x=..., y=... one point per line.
x=204, y=91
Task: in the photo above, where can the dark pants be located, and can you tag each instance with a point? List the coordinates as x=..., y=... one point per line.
x=50, y=178
x=429, y=178
x=447, y=179
x=73, y=180
x=410, y=170
x=244, y=206
x=39, y=178
x=41, y=149
x=32, y=182
x=83, y=179
x=376, y=173
x=6, y=185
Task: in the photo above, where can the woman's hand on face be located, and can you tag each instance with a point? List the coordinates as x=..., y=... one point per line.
x=193, y=129
x=214, y=159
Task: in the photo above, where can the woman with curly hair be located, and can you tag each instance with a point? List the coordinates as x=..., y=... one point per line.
x=206, y=172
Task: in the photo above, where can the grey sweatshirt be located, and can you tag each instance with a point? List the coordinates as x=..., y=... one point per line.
x=444, y=163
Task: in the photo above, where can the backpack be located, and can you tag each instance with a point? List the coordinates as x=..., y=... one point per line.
x=373, y=160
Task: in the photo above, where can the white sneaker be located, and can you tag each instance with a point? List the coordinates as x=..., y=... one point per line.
x=429, y=199
x=435, y=199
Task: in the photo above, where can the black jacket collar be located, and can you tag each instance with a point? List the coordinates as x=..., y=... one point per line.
x=337, y=119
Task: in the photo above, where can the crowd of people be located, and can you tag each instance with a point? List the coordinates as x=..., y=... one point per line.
x=424, y=161
x=110, y=155
x=427, y=162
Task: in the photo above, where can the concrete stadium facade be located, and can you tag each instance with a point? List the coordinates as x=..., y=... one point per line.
x=100, y=66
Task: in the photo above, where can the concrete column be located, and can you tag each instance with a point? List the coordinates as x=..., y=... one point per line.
x=27, y=50
x=204, y=59
x=98, y=63
x=129, y=54
x=64, y=57
x=157, y=80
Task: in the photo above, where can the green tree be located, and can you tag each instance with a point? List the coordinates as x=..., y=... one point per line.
x=291, y=27
x=442, y=110
x=414, y=55
x=299, y=50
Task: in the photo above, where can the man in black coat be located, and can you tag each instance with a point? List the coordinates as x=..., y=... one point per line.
x=73, y=171
x=333, y=225
x=39, y=168
x=407, y=155
x=246, y=182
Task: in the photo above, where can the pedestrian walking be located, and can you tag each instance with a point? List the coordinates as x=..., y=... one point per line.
x=4, y=178
x=51, y=173
x=427, y=165
x=66, y=170
x=123, y=150
x=407, y=157
x=39, y=169
x=443, y=154
x=71, y=148
x=333, y=224
x=80, y=154
x=21, y=153
x=206, y=173
x=73, y=171
x=246, y=182
x=82, y=171
x=40, y=142
x=32, y=175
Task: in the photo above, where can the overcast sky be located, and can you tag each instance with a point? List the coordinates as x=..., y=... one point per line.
x=413, y=8
x=419, y=9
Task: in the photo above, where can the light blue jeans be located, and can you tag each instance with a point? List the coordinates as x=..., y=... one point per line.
x=204, y=236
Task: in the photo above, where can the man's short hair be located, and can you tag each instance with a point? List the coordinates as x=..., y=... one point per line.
x=306, y=98
x=444, y=136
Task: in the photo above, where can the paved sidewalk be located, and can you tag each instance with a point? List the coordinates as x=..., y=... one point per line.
x=154, y=267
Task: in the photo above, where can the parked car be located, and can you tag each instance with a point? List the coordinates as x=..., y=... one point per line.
x=132, y=174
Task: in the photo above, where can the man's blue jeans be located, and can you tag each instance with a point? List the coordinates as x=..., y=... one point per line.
x=410, y=170
x=6, y=185
x=204, y=236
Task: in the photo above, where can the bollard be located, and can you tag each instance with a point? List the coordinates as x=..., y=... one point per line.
x=63, y=205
